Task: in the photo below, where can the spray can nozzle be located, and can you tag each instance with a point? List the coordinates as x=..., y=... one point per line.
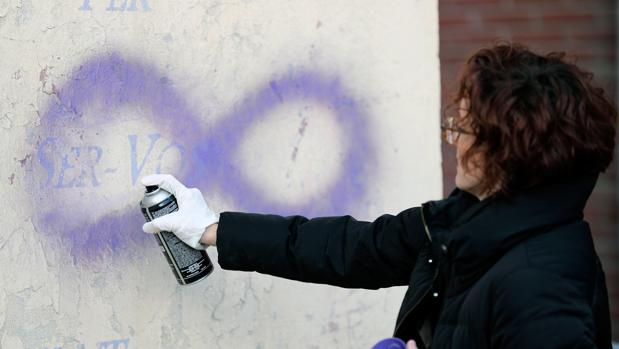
x=151, y=188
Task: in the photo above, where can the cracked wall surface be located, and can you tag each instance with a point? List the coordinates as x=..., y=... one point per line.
x=288, y=107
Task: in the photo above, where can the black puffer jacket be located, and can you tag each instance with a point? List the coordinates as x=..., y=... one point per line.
x=519, y=273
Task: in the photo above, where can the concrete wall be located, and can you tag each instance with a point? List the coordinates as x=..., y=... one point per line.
x=309, y=107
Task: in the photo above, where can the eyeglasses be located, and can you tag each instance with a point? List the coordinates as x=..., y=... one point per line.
x=451, y=131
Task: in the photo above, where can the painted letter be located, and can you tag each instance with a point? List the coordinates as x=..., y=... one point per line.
x=86, y=6
x=135, y=170
x=111, y=7
x=98, y=152
x=132, y=7
x=114, y=344
x=181, y=152
x=65, y=165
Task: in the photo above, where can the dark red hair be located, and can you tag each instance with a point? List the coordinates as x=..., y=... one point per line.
x=536, y=118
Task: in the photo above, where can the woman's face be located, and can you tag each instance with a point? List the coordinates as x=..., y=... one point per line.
x=469, y=179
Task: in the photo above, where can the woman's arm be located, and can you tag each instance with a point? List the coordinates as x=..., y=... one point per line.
x=338, y=251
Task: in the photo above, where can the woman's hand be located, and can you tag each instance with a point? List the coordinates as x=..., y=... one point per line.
x=191, y=220
x=411, y=344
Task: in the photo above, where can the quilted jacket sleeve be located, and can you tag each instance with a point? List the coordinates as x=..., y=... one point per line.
x=339, y=251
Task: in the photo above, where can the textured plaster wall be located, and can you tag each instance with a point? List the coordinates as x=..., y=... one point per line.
x=290, y=107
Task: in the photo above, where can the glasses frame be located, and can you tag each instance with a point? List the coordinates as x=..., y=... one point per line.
x=450, y=131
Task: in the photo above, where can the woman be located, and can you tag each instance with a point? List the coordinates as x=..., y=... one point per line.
x=506, y=261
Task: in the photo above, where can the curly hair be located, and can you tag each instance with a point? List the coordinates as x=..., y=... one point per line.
x=536, y=118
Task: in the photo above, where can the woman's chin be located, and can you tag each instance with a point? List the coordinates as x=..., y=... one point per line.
x=467, y=185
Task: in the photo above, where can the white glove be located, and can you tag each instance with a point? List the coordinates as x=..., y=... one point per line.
x=193, y=215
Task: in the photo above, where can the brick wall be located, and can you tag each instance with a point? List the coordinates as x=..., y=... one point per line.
x=586, y=30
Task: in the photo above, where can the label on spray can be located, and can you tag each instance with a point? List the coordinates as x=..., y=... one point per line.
x=188, y=264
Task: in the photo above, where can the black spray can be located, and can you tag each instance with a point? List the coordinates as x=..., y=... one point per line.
x=188, y=264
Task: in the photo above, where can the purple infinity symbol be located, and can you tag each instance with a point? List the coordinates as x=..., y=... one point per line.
x=110, y=82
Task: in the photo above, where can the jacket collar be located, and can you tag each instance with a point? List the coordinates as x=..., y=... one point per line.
x=479, y=232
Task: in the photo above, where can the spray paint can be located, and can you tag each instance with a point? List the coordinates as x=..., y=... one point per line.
x=188, y=264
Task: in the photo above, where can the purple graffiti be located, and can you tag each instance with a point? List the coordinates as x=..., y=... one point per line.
x=122, y=6
x=108, y=344
x=111, y=82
